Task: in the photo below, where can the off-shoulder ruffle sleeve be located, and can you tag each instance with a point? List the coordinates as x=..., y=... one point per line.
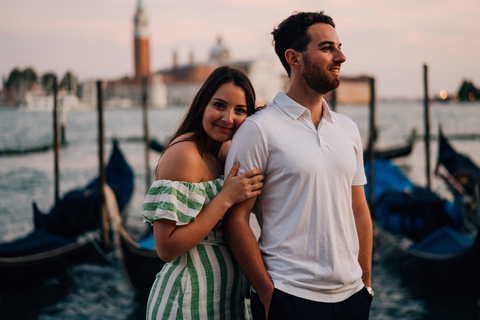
x=177, y=201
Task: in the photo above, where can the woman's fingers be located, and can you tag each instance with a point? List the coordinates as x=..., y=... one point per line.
x=245, y=185
x=252, y=176
x=254, y=179
x=258, y=185
x=234, y=170
x=253, y=172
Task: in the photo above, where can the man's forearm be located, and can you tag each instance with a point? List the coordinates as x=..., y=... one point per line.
x=365, y=238
x=363, y=222
x=244, y=246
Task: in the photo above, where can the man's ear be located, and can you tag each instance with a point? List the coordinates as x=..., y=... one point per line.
x=294, y=58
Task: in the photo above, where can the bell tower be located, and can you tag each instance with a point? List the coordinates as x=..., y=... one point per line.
x=141, y=42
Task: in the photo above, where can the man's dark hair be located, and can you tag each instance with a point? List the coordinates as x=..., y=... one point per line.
x=292, y=33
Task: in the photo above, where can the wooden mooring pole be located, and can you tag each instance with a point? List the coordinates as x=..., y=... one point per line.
x=102, y=175
x=146, y=134
x=63, y=125
x=333, y=103
x=371, y=147
x=426, y=125
x=56, y=142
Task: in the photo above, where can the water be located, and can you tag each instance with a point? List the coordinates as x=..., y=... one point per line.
x=89, y=291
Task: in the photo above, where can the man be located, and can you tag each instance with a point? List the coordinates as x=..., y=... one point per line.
x=313, y=257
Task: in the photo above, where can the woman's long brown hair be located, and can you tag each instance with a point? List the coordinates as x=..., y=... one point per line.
x=192, y=121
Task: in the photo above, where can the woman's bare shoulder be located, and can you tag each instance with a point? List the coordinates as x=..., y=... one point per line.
x=181, y=161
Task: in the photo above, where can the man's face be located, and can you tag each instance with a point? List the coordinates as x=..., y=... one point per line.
x=322, y=59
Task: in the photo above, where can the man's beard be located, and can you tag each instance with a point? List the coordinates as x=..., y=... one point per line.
x=317, y=79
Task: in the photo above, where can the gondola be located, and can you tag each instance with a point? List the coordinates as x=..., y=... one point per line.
x=458, y=170
x=139, y=259
x=426, y=238
x=140, y=262
x=71, y=232
x=392, y=152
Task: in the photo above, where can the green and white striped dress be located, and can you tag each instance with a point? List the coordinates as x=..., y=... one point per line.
x=205, y=282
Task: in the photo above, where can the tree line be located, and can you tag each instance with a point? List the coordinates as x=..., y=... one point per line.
x=26, y=79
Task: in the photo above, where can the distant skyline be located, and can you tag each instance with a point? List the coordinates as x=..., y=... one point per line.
x=390, y=40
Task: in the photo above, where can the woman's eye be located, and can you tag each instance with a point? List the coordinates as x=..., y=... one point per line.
x=219, y=105
x=241, y=110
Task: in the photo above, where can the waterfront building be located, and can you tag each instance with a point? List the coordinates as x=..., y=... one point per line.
x=184, y=80
x=128, y=91
x=177, y=84
x=352, y=90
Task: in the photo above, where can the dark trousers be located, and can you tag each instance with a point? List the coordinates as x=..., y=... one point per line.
x=287, y=307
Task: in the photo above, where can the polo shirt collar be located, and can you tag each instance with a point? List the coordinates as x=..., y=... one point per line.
x=295, y=110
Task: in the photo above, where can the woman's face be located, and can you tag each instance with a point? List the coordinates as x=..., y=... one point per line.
x=225, y=112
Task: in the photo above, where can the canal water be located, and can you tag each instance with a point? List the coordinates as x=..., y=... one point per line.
x=90, y=291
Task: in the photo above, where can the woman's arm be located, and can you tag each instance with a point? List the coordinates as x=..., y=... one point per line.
x=182, y=163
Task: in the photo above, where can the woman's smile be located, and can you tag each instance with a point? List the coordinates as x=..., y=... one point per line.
x=225, y=112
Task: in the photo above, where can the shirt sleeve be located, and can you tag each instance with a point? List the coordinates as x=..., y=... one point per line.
x=248, y=147
x=173, y=200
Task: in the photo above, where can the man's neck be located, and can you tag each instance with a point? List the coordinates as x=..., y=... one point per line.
x=308, y=98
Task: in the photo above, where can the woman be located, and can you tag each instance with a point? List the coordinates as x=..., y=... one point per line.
x=186, y=203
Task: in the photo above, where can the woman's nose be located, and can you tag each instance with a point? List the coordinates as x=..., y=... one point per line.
x=227, y=116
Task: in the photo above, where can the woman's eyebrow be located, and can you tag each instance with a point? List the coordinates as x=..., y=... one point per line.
x=218, y=99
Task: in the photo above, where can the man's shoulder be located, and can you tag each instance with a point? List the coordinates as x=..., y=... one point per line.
x=271, y=112
x=252, y=131
x=260, y=123
x=342, y=118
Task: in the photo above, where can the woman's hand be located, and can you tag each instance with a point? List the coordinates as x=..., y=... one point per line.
x=260, y=104
x=242, y=187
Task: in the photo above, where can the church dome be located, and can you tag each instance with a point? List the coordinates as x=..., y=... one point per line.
x=219, y=52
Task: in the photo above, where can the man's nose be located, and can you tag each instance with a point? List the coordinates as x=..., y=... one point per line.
x=340, y=56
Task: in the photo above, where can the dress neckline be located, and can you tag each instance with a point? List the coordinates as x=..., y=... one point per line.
x=219, y=178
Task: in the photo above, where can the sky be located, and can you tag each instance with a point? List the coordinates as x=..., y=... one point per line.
x=389, y=40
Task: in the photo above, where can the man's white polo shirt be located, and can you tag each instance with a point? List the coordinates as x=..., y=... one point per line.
x=308, y=241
